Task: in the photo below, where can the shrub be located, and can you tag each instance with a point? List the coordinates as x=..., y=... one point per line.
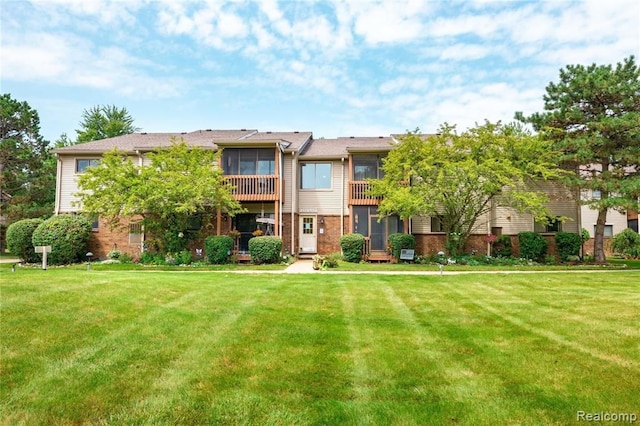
x=184, y=257
x=331, y=260
x=533, y=246
x=568, y=244
x=627, y=243
x=502, y=246
x=19, y=236
x=265, y=249
x=67, y=235
x=152, y=258
x=352, y=246
x=399, y=242
x=217, y=249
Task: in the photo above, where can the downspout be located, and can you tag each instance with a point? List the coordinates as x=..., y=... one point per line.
x=579, y=217
x=342, y=200
x=141, y=164
x=58, y=185
x=294, y=198
x=489, y=222
x=280, y=194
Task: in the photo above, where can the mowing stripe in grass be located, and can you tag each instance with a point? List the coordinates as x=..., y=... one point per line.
x=174, y=381
x=219, y=348
x=572, y=307
x=539, y=331
x=357, y=348
x=88, y=359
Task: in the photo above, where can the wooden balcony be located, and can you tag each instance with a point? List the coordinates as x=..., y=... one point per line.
x=254, y=187
x=358, y=194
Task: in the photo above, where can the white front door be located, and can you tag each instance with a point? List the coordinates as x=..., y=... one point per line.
x=308, y=234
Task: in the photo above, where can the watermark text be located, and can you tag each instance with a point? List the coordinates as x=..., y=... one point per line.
x=604, y=416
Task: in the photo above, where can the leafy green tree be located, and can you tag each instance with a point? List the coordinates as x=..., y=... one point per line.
x=27, y=169
x=63, y=141
x=104, y=121
x=458, y=177
x=178, y=182
x=592, y=116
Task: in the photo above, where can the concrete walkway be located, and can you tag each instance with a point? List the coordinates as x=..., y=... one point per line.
x=300, y=266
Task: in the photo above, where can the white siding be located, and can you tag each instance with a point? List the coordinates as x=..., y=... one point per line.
x=326, y=201
x=614, y=218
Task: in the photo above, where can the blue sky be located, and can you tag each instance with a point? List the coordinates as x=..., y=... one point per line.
x=337, y=68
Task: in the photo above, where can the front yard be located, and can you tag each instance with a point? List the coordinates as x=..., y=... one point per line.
x=160, y=347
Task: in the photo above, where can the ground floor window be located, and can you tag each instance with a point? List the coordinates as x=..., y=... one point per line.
x=135, y=233
x=553, y=225
x=608, y=230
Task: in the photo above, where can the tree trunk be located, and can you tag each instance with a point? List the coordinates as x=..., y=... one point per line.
x=598, y=245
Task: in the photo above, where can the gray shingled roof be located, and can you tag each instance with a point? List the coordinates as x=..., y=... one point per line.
x=203, y=138
x=340, y=147
x=296, y=139
x=310, y=148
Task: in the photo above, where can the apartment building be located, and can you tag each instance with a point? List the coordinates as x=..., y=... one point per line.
x=307, y=191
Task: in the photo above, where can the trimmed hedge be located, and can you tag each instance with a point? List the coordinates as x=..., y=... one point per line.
x=533, y=246
x=217, y=249
x=399, y=242
x=502, y=247
x=568, y=244
x=19, y=236
x=265, y=249
x=627, y=243
x=67, y=235
x=352, y=246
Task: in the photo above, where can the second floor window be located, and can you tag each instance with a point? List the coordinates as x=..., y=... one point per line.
x=249, y=161
x=316, y=176
x=83, y=163
x=367, y=166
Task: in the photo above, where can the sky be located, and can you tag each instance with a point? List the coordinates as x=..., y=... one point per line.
x=336, y=68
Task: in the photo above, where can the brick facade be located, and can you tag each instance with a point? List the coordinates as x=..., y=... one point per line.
x=329, y=239
x=103, y=240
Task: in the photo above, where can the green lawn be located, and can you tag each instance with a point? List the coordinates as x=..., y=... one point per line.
x=134, y=347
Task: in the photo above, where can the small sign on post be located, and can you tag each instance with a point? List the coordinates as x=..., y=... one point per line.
x=44, y=250
x=407, y=254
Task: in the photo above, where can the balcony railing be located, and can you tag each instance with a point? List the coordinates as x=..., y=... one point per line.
x=254, y=187
x=358, y=194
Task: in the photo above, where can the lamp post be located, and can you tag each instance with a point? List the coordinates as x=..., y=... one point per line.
x=89, y=256
x=441, y=265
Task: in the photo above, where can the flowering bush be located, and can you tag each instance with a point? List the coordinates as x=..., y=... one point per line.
x=490, y=238
x=257, y=233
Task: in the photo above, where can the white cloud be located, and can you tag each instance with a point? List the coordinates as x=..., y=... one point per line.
x=465, y=52
x=389, y=21
x=73, y=61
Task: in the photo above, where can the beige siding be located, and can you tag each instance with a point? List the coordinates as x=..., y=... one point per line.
x=421, y=225
x=68, y=185
x=511, y=221
x=287, y=168
x=566, y=209
x=326, y=201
